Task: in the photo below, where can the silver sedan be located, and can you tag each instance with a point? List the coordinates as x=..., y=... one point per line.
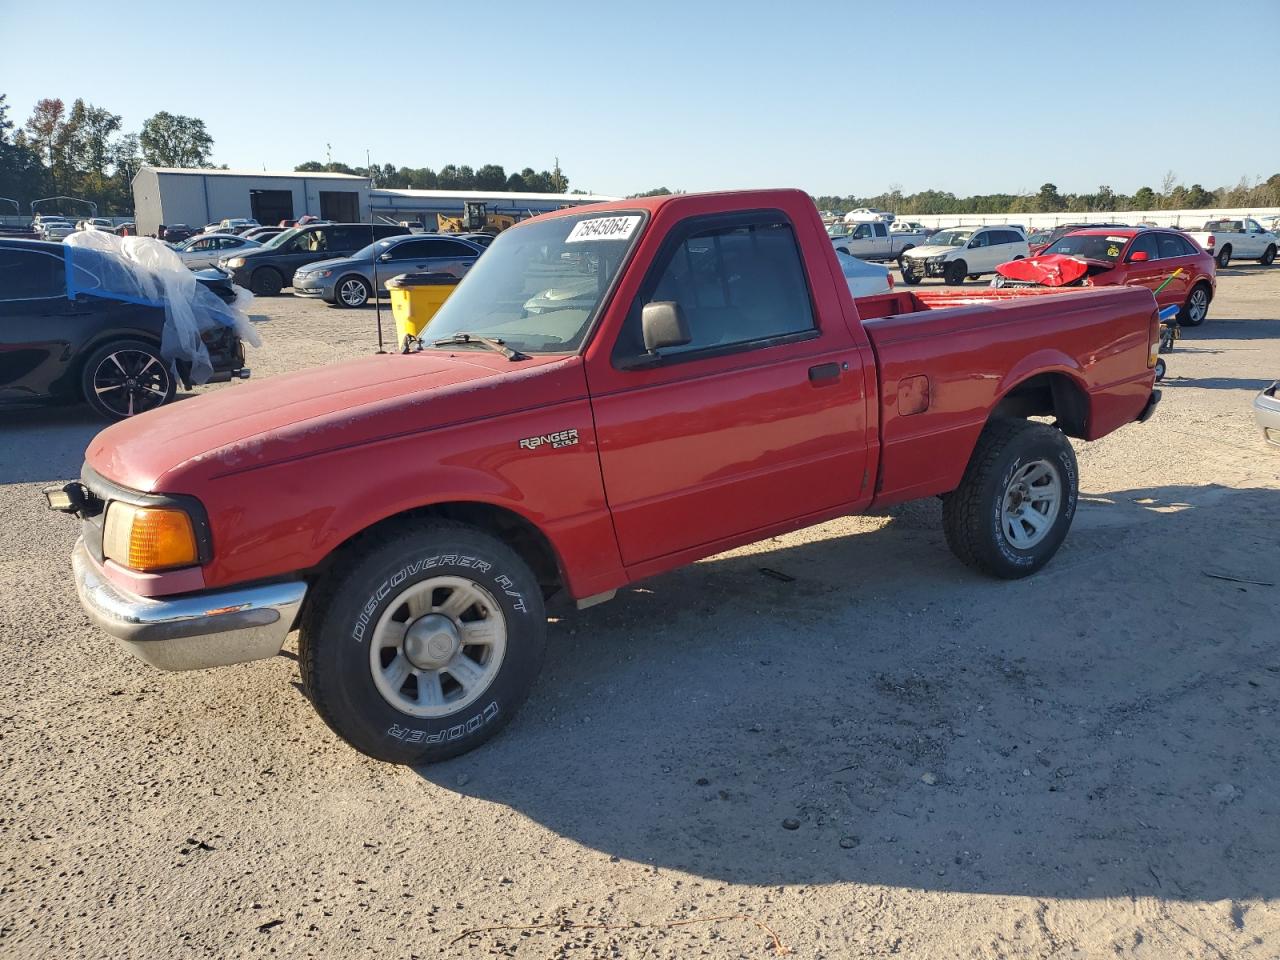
x=1266, y=407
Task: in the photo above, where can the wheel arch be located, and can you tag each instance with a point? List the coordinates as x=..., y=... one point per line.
x=514, y=529
x=1059, y=392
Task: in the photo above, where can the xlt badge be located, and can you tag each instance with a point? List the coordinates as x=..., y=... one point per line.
x=561, y=438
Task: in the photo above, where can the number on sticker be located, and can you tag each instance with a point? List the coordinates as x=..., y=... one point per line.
x=604, y=228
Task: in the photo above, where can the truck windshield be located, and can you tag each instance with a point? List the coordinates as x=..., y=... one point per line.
x=1088, y=246
x=837, y=230
x=538, y=286
x=950, y=238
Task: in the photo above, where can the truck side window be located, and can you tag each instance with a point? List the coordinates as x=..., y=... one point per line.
x=737, y=286
x=863, y=232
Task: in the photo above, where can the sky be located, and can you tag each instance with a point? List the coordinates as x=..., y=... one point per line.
x=836, y=98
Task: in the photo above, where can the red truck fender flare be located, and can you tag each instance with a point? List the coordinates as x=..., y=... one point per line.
x=1069, y=390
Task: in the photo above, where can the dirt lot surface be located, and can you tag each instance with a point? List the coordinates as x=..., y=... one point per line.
x=883, y=754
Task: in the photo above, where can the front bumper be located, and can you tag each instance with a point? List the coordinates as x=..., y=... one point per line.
x=926, y=268
x=1266, y=407
x=321, y=288
x=211, y=628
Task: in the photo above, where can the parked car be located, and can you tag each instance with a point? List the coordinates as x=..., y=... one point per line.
x=864, y=279
x=237, y=224
x=97, y=223
x=270, y=268
x=59, y=346
x=350, y=281
x=715, y=386
x=55, y=228
x=1132, y=256
x=129, y=229
x=1242, y=239
x=262, y=234
x=175, y=233
x=1266, y=408
x=480, y=239
x=1042, y=238
x=960, y=252
x=872, y=240
x=868, y=213
x=206, y=249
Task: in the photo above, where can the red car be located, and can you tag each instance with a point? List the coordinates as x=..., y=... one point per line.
x=611, y=392
x=1129, y=256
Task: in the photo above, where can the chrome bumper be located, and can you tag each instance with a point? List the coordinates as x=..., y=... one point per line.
x=1266, y=407
x=210, y=629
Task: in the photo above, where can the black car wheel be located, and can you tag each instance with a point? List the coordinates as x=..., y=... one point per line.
x=266, y=282
x=126, y=378
x=352, y=292
x=955, y=273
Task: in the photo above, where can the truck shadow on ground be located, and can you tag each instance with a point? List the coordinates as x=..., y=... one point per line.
x=886, y=716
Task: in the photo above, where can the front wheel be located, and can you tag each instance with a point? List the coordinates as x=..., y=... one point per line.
x=266, y=282
x=1196, y=309
x=352, y=292
x=954, y=273
x=909, y=276
x=1015, y=503
x=125, y=378
x=1269, y=257
x=425, y=644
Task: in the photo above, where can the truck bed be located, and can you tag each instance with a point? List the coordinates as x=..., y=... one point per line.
x=946, y=358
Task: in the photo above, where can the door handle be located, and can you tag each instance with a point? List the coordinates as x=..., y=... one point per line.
x=824, y=372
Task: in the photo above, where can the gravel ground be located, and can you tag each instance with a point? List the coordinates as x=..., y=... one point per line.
x=885, y=755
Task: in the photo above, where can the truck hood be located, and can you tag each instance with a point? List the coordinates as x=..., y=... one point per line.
x=240, y=427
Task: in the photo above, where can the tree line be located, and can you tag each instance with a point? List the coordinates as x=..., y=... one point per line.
x=451, y=176
x=85, y=152
x=1172, y=195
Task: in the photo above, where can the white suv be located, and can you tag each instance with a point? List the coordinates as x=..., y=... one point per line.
x=959, y=252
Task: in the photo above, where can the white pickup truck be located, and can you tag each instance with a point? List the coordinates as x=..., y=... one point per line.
x=1241, y=239
x=873, y=240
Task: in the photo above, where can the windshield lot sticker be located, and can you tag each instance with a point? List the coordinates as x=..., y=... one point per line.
x=603, y=228
x=1117, y=239
x=562, y=438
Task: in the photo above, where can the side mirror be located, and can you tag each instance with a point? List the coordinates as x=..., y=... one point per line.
x=385, y=258
x=1139, y=256
x=663, y=324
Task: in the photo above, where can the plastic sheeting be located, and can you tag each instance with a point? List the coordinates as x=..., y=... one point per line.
x=146, y=271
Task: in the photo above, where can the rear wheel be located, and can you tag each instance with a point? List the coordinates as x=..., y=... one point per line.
x=1015, y=503
x=1196, y=309
x=955, y=273
x=125, y=378
x=1223, y=257
x=1269, y=257
x=266, y=282
x=422, y=646
x=352, y=292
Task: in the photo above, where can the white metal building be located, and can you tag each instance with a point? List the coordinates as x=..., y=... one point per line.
x=195, y=197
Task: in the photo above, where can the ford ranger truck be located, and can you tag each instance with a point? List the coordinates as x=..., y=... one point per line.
x=612, y=392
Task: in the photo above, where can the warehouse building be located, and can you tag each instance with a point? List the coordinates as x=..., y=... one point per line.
x=195, y=197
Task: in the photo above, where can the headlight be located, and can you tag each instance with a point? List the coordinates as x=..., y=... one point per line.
x=235, y=262
x=321, y=273
x=940, y=258
x=149, y=538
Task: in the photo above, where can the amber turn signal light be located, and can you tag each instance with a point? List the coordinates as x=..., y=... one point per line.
x=149, y=538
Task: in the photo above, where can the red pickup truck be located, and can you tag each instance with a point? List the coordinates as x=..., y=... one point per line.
x=612, y=392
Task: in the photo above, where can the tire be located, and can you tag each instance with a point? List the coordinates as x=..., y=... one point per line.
x=954, y=273
x=1196, y=309
x=1224, y=257
x=902, y=255
x=975, y=276
x=351, y=292
x=354, y=626
x=126, y=377
x=1160, y=369
x=909, y=276
x=844, y=250
x=1016, y=465
x=266, y=282
x=1269, y=256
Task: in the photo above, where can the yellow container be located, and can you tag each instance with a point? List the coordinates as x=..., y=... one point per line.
x=415, y=298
